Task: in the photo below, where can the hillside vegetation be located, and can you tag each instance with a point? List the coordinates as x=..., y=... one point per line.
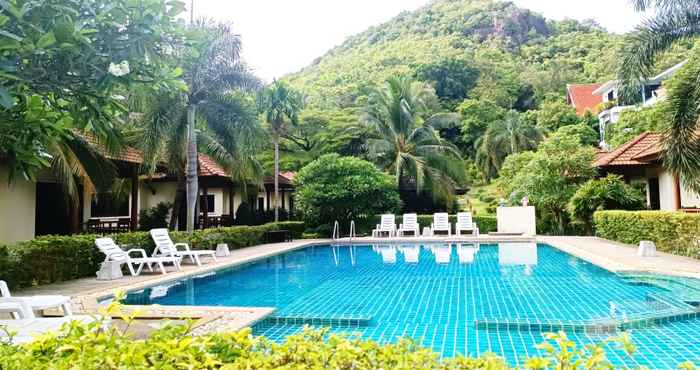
x=511, y=52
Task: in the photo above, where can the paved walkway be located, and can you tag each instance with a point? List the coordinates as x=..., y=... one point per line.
x=620, y=257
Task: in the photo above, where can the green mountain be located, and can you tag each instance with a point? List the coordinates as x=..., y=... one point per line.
x=470, y=48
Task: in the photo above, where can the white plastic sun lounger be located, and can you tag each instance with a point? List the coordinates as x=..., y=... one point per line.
x=441, y=224
x=466, y=253
x=387, y=225
x=465, y=223
x=411, y=253
x=166, y=247
x=409, y=224
x=114, y=253
x=388, y=253
x=35, y=303
x=442, y=253
x=28, y=326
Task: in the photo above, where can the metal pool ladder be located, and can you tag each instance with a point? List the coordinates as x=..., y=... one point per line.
x=336, y=230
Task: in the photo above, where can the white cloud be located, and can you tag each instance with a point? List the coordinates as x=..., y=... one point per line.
x=280, y=37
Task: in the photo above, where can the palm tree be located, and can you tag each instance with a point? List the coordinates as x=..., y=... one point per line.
x=501, y=138
x=675, y=20
x=405, y=140
x=212, y=70
x=280, y=105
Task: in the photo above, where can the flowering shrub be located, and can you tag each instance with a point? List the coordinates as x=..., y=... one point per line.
x=91, y=346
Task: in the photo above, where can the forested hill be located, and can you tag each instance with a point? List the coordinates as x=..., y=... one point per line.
x=466, y=48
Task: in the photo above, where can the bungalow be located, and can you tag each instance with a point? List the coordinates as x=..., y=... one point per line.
x=640, y=160
x=41, y=207
x=602, y=99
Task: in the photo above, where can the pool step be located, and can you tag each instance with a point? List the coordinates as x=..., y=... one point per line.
x=547, y=326
x=333, y=321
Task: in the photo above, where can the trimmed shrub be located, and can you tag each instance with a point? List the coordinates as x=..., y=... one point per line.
x=53, y=258
x=173, y=347
x=673, y=232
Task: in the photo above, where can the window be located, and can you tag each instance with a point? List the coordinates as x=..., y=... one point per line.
x=208, y=202
x=109, y=205
x=611, y=95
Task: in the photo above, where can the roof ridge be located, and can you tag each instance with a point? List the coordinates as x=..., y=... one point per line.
x=606, y=159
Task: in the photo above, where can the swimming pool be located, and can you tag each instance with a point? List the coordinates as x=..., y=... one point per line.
x=456, y=298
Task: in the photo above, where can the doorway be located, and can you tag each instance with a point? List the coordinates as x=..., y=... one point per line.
x=52, y=210
x=654, y=197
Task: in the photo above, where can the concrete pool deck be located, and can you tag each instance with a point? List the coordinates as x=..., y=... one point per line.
x=85, y=293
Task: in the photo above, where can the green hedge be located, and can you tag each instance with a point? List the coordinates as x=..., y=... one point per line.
x=486, y=223
x=673, y=232
x=173, y=347
x=52, y=258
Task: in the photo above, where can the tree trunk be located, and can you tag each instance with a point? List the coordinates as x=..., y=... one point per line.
x=177, y=203
x=277, y=174
x=191, y=168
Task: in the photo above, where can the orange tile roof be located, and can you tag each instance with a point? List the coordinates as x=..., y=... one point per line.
x=639, y=151
x=208, y=167
x=127, y=154
x=285, y=178
x=581, y=97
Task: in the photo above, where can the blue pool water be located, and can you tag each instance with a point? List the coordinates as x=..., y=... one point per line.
x=456, y=299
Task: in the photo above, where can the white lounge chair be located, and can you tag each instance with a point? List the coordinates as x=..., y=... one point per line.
x=387, y=225
x=411, y=253
x=36, y=302
x=442, y=253
x=441, y=223
x=114, y=253
x=27, y=326
x=166, y=247
x=465, y=223
x=410, y=224
x=466, y=253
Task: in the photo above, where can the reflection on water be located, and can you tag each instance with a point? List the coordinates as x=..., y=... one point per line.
x=509, y=254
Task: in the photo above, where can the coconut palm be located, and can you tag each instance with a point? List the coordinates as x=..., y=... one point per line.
x=280, y=105
x=675, y=20
x=404, y=139
x=501, y=138
x=213, y=70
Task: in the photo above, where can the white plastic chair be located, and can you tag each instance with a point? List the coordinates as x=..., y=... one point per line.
x=114, y=253
x=441, y=223
x=27, y=326
x=35, y=303
x=386, y=225
x=166, y=247
x=409, y=223
x=465, y=223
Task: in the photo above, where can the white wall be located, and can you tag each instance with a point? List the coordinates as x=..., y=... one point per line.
x=689, y=198
x=17, y=208
x=667, y=186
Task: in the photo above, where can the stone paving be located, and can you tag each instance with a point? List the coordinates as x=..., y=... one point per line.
x=86, y=292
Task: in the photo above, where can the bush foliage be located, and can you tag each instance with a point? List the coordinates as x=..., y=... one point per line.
x=92, y=346
x=53, y=258
x=343, y=188
x=673, y=232
x=609, y=192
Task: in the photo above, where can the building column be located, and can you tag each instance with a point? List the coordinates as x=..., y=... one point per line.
x=205, y=207
x=677, y=192
x=231, y=204
x=134, y=201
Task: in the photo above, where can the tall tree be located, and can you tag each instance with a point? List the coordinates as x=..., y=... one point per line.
x=280, y=105
x=675, y=20
x=405, y=141
x=212, y=71
x=64, y=70
x=502, y=138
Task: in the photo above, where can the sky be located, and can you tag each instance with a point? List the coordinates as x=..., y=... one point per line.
x=283, y=36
